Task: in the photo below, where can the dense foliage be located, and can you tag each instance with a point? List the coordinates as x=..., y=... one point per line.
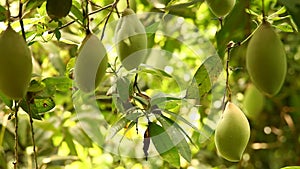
x=163, y=113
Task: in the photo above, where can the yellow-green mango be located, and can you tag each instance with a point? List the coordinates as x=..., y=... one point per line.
x=232, y=133
x=16, y=64
x=253, y=102
x=131, y=40
x=266, y=60
x=220, y=8
x=57, y=9
x=91, y=63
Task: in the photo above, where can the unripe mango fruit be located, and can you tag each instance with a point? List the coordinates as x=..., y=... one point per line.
x=16, y=64
x=220, y=8
x=131, y=40
x=232, y=133
x=57, y=9
x=253, y=102
x=91, y=63
x=266, y=60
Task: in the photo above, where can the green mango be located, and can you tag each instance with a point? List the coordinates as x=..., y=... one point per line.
x=220, y=8
x=232, y=133
x=253, y=102
x=91, y=63
x=16, y=64
x=265, y=60
x=57, y=9
x=131, y=40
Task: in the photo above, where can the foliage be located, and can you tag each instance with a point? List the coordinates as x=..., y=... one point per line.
x=162, y=114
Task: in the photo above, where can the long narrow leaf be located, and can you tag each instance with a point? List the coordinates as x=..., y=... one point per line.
x=115, y=128
x=164, y=144
x=177, y=116
x=181, y=129
x=177, y=137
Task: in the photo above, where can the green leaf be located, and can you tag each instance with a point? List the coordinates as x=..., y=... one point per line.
x=162, y=98
x=5, y=100
x=61, y=83
x=89, y=121
x=80, y=136
x=291, y=167
x=32, y=111
x=57, y=34
x=38, y=106
x=44, y=105
x=204, y=78
x=32, y=4
x=36, y=86
x=156, y=72
x=183, y=5
x=115, y=128
x=123, y=85
x=181, y=129
x=77, y=13
x=131, y=124
x=70, y=68
x=151, y=29
x=164, y=144
x=69, y=140
x=293, y=7
x=178, y=117
x=2, y=14
x=285, y=27
x=177, y=137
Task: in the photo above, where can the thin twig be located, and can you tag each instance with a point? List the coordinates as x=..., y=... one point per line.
x=101, y=9
x=21, y=20
x=227, y=87
x=32, y=134
x=16, y=136
x=221, y=19
x=64, y=26
x=108, y=16
x=29, y=111
x=263, y=9
x=70, y=23
x=87, y=26
x=135, y=84
x=8, y=11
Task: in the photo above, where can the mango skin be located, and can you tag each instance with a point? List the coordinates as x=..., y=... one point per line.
x=253, y=102
x=16, y=64
x=57, y=9
x=91, y=63
x=220, y=8
x=265, y=60
x=232, y=133
x=131, y=40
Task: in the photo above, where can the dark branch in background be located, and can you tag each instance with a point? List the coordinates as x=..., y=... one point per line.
x=28, y=102
x=16, y=136
x=114, y=6
x=70, y=23
x=227, y=87
x=263, y=9
x=29, y=111
x=21, y=20
x=94, y=4
x=86, y=13
x=128, y=3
